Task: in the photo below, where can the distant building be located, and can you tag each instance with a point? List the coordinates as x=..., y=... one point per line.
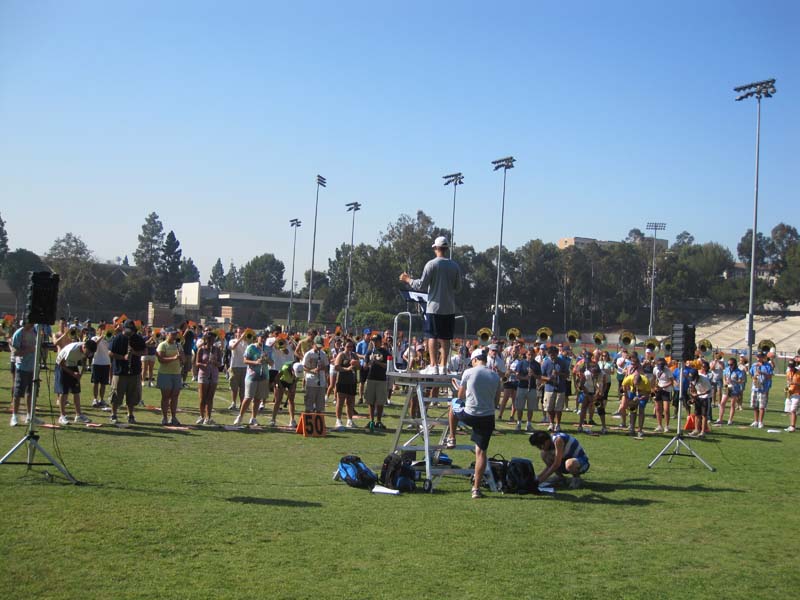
x=741, y=271
x=583, y=242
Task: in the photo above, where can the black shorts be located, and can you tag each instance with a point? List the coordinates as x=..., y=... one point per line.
x=568, y=391
x=482, y=428
x=285, y=384
x=701, y=407
x=439, y=327
x=65, y=383
x=663, y=396
x=348, y=389
x=510, y=385
x=362, y=374
x=101, y=373
x=273, y=376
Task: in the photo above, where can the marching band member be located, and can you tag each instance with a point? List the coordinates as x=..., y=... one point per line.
x=346, y=365
x=170, y=355
x=209, y=361
x=126, y=349
x=258, y=358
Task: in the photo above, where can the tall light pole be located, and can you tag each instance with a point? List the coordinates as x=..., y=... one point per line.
x=505, y=164
x=758, y=89
x=654, y=227
x=456, y=179
x=353, y=207
x=294, y=224
x=321, y=182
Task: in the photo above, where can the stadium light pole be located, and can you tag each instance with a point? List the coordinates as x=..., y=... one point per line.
x=456, y=179
x=321, y=182
x=654, y=227
x=758, y=89
x=505, y=164
x=353, y=207
x=294, y=224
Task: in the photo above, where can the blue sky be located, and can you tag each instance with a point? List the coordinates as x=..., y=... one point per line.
x=218, y=116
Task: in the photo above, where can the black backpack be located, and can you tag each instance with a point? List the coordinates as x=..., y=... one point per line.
x=397, y=473
x=355, y=473
x=520, y=477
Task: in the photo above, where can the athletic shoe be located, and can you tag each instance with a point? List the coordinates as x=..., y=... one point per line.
x=591, y=422
x=164, y=421
x=271, y=423
x=380, y=425
x=603, y=430
x=36, y=420
x=349, y=424
x=754, y=424
x=450, y=443
x=114, y=419
x=63, y=420
x=718, y=422
x=253, y=423
x=730, y=422
x=760, y=425
x=131, y=419
x=790, y=429
x=476, y=493
x=237, y=420
x=14, y=420
x=579, y=429
x=529, y=426
x=232, y=406
x=95, y=403
x=557, y=429
x=518, y=426
x=339, y=426
x=210, y=422
x=549, y=428
x=616, y=414
x=666, y=429
x=701, y=435
x=657, y=429
x=292, y=423
x=693, y=433
x=82, y=419
x=99, y=404
x=575, y=483
x=199, y=421
x=174, y=422
x=639, y=435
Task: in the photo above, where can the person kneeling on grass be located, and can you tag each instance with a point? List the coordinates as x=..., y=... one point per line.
x=636, y=388
x=562, y=454
x=477, y=393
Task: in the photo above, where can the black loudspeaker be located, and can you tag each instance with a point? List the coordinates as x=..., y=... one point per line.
x=42, y=304
x=683, y=341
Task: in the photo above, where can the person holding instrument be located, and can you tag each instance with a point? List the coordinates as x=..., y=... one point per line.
x=125, y=351
x=258, y=358
x=315, y=367
x=441, y=279
x=170, y=381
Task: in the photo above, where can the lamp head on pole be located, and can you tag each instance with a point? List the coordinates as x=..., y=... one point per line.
x=321, y=181
x=295, y=223
x=758, y=89
x=504, y=163
x=353, y=206
x=454, y=178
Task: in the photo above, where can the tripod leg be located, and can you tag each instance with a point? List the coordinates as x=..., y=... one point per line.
x=54, y=462
x=663, y=452
x=697, y=456
x=14, y=449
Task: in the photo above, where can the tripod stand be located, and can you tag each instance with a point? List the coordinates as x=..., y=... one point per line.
x=31, y=438
x=677, y=442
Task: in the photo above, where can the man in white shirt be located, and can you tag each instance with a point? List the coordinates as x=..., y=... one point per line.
x=315, y=367
x=238, y=368
x=68, y=378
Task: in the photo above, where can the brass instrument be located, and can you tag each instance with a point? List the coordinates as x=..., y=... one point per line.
x=666, y=344
x=249, y=336
x=705, y=346
x=513, y=334
x=72, y=332
x=543, y=334
x=280, y=344
x=651, y=344
x=626, y=338
x=599, y=339
x=766, y=345
x=109, y=333
x=573, y=336
x=484, y=335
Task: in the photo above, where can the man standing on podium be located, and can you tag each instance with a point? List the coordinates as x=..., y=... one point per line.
x=441, y=279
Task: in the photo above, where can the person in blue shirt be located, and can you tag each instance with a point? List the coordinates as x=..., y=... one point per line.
x=733, y=380
x=761, y=372
x=552, y=374
x=24, y=344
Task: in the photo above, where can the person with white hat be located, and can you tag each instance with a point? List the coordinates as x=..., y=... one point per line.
x=441, y=279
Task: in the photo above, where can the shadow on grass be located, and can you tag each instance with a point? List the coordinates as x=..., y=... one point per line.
x=274, y=502
x=634, y=484
x=736, y=436
x=129, y=431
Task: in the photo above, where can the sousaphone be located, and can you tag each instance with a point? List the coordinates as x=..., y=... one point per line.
x=626, y=339
x=513, y=334
x=599, y=339
x=574, y=336
x=651, y=344
x=666, y=345
x=705, y=347
x=766, y=345
x=484, y=335
x=543, y=334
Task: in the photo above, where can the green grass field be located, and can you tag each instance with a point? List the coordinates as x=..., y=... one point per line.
x=228, y=514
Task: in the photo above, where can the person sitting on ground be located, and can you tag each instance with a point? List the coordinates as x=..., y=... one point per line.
x=477, y=393
x=562, y=454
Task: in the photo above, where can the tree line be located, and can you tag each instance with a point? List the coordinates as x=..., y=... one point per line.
x=585, y=288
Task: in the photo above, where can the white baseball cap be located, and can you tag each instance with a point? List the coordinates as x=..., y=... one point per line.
x=440, y=242
x=477, y=354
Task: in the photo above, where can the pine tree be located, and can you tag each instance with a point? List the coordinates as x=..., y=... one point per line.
x=217, y=279
x=189, y=271
x=148, y=254
x=233, y=281
x=169, y=270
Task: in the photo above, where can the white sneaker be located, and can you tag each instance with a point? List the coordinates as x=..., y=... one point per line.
x=232, y=406
x=338, y=425
x=200, y=421
x=210, y=422
x=754, y=424
x=14, y=420
x=63, y=420
x=82, y=419
x=760, y=425
x=666, y=429
x=518, y=426
x=292, y=423
x=237, y=420
x=790, y=429
x=350, y=423
x=657, y=429
x=253, y=423
x=272, y=423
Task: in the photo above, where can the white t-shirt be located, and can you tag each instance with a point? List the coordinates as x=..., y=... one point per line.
x=71, y=354
x=311, y=360
x=101, y=356
x=237, y=354
x=281, y=357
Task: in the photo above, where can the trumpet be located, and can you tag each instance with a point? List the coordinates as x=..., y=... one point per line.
x=513, y=334
x=766, y=345
x=651, y=343
x=573, y=336
x=666, y=344
x=599, y=338
x=544, y=334
x=484, y=335
x=626, y=338
x=705, y=346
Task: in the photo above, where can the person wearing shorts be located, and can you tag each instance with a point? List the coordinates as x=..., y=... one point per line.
x=700, y=389
x=258, y=358
x=126, y=350
x=346, y=365
x=149, y=358
x=285, y=383
x=526, y=398
x=23, y=346
x=209, y=362
x=553, y=394
x=636, y=393
x=238, y=368
x=170, y=379
x=441, y=279
x=315, y=369
x=101, y=368
x=375, y=392
x=761, y=372
x=562, y=455
x=67, y=378
x=665, y=384
x=793, y=393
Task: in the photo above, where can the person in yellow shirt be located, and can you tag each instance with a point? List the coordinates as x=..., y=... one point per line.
x=636, y=393
x=170, y=381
